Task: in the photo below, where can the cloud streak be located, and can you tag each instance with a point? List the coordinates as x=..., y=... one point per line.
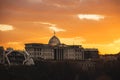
x=35, y=1
x=4, y=27
x=52, y=27
x=45, y=23
x=90, y=17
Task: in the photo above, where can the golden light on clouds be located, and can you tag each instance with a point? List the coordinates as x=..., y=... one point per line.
x=97, y=21
x=45, y=23
x=91, y=17
x=4, y=27
x=54, y=28
x=35, y=1
x=51, y=26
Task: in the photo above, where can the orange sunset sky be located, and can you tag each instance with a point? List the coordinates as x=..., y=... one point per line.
x=90, y=23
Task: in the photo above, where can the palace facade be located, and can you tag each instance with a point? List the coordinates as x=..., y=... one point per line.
x=54, y=50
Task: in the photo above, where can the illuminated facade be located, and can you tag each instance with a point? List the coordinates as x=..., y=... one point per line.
x=54, y=50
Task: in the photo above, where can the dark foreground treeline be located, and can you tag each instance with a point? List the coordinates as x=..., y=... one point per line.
x=61, y=71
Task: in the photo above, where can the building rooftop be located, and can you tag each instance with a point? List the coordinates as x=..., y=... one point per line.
x=54, y=40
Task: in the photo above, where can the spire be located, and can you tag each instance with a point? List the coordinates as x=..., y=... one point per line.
x=54, y=33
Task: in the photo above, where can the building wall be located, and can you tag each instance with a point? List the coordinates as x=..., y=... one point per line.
x=67, y=52
x=90, y=53
x=79, y=54
x=39, y=51
x=47, y=53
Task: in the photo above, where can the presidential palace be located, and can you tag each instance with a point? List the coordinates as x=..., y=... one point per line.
x=55, y=50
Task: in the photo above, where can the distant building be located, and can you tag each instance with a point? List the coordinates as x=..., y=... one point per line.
x=91, y=53
x=9, y=49
x=109, y=57
x=54, y=50
x=16, y=57
x=1, y=54
x=1, y=50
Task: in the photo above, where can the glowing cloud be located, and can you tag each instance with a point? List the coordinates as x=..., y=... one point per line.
x=45, y=23
x=59, y=5
x=90, y=17
x=35, y=1
x=4, y=27
x=51, y=26
x=88, y=1
x=54, y=28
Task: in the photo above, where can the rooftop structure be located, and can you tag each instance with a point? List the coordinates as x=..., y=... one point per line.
x=54, y=50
